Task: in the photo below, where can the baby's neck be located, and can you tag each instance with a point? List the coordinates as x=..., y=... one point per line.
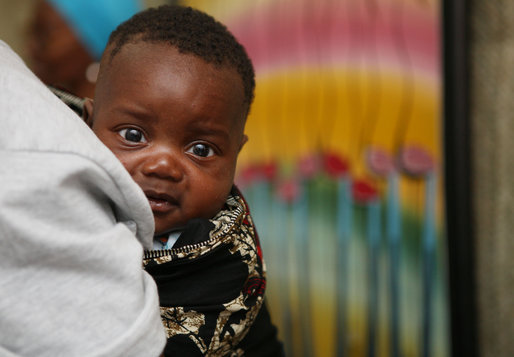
x=166, y=240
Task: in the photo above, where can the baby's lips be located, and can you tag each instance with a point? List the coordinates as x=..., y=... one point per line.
x=160, y=202
x=160, y=196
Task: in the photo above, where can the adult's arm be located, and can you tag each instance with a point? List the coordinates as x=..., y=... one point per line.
x=72, y=227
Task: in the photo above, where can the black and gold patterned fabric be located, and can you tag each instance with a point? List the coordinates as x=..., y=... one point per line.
x=211, y=287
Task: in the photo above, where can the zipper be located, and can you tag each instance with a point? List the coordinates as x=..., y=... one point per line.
x=235, y=215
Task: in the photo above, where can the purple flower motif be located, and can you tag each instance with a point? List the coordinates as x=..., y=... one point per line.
x=416, y=161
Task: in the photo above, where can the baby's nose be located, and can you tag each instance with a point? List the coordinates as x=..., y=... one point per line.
x=163, y=164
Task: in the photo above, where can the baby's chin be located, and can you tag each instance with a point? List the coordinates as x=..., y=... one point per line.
x=161, y=229
x=167, y=231
x=163, y=225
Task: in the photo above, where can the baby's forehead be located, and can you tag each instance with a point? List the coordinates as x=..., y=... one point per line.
x=113, y=51
x=159, y=60
x=153, y=53
x=155, y=73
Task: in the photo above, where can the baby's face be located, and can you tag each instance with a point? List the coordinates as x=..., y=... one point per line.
x=177, y=125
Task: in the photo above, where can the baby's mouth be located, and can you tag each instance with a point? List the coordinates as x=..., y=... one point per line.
x=160, y=203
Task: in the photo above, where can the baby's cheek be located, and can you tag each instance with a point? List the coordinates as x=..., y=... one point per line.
x=214, y=200
x=127, y=163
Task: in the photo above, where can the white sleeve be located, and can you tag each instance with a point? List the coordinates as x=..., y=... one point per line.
x=71, y=277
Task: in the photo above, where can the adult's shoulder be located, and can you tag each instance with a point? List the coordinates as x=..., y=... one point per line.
x=69, y=263
x=34, y=120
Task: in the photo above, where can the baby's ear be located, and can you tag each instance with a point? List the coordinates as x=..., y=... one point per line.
x=87, y=114
x=243, y=141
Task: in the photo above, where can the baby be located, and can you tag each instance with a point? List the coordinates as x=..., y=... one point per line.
x=171, y=101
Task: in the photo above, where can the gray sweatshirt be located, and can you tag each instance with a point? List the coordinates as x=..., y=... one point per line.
x=72, y=228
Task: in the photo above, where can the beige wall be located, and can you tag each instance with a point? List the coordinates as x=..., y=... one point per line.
x=14, y=16
x=492, y=113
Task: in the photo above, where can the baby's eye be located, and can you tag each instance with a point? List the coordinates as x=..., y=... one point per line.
x=134, y=135
x=201, y=150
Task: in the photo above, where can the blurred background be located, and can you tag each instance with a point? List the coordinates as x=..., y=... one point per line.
x=346, y=170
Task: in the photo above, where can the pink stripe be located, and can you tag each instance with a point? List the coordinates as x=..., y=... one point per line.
x=326, y=33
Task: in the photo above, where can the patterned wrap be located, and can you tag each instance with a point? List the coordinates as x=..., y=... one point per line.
x=212, y=287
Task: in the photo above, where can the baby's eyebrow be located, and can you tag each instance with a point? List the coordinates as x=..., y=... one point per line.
x=210, y=131
x=215, y=132
x=136, y=112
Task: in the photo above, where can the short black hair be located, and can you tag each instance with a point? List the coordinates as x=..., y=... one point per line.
x=192, y=32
